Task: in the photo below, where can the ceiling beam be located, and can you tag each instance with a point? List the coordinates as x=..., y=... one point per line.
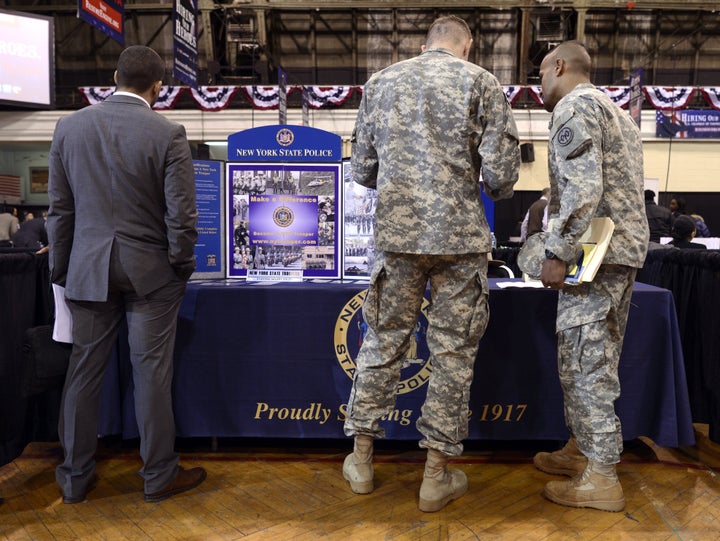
x=685, y=5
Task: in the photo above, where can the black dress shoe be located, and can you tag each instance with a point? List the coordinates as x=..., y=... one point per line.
x=82, y=497
x=185, y=480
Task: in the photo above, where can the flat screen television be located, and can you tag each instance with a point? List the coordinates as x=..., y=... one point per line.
x=27, y=74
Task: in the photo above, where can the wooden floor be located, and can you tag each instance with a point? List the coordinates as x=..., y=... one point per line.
x=294, y=490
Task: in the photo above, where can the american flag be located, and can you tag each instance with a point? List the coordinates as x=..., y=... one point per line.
x=10, y=191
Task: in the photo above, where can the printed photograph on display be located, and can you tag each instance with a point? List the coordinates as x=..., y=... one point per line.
x=282, y=217
x=359, y=205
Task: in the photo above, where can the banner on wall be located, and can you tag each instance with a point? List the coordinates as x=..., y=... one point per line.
x=209, y=254
x=688, y=123
x=283, y=196
x=185, y=51
x=105, y=15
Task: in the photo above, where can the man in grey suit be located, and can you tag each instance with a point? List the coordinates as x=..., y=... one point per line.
x=122, y=231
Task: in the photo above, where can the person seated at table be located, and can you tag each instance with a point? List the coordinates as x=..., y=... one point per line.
x=683, y=231
x=701, y=228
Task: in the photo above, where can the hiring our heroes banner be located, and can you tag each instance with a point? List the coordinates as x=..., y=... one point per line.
x=105, y=15
x=688, y=123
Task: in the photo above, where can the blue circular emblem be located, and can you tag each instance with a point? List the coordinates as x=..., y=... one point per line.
x=565, y=136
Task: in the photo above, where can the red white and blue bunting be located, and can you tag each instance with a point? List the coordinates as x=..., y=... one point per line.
x=620, y=95
x=217, y=98
x=166, y=100
x=711, y=95
x=667, y=98
x=168, y=97
x=265, y=97
x=214, y=98
x=535, y=92
x=96, y=94
x=512, y=92
x=318, y=96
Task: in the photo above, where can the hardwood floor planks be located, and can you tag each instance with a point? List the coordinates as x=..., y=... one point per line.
x=275, y=493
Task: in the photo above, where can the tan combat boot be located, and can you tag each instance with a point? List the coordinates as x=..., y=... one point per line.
x=590, y=489
x=567, y=461
x=440, y=486
x=358, y=467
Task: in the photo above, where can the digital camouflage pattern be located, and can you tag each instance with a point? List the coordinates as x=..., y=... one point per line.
x=457, y=318
x=591, y=322
x=427, y=129
x=596, y=169
x=595, y=162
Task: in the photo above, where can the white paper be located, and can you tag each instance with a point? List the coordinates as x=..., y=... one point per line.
x=62, y=331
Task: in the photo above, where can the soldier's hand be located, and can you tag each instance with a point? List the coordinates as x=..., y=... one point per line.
x=553, y=273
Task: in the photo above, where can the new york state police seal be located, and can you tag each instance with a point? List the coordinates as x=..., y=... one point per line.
x=350, y=329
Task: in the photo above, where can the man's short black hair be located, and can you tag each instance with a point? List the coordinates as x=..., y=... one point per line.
x=649, y=195
x=683, y=227
x=139, y=68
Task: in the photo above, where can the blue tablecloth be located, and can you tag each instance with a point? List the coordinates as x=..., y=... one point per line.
x=274, y=360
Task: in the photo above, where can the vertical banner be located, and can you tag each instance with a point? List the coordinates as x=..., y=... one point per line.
x=636, y=95
x=209, y=193
x=185, y=64
x=105, y=15
x=282, y=96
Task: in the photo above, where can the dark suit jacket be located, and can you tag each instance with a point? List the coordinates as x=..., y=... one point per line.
x=687, y=245
x=31, y=234
x=120, y=172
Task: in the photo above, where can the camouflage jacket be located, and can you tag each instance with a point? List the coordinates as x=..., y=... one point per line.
x=595, y=159
x=427, y=130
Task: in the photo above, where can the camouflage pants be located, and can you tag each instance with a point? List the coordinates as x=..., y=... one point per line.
x=591, y=327
x=457, y=319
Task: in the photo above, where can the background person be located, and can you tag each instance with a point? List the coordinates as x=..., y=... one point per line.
x=535, y=219
x=8, y=227
x=31, y=233
x=596, y=170
x=659, y=218
x=683, y=232
x=427, y=129
x=122, y=229
x=678, y=206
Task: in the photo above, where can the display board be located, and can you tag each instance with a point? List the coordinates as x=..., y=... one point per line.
x=359, y=205
x=283, y=197
x=209, y=249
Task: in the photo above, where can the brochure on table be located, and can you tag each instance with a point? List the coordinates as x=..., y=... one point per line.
x=283, y=196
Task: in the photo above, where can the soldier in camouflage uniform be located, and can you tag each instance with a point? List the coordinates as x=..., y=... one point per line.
x=427, y=130
x=596, y=170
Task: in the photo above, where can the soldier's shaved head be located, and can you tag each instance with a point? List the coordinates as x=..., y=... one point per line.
x=449, y=32
x=575, y=56
x=562, y=69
